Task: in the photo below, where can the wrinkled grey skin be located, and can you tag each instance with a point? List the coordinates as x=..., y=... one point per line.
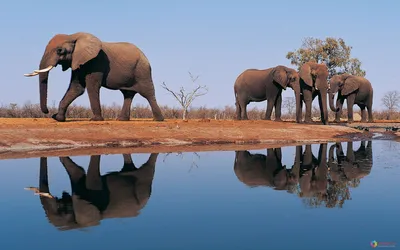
x=263, y=170
x=356, y=164
x=313, y=171
x=354, y=89
x=95, y=197
x=314, y=82
x=255, y=85
x=95, y=64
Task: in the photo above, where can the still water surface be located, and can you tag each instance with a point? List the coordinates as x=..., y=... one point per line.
x=322, y=196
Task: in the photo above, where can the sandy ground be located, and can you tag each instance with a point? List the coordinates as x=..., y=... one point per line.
x=23, y=138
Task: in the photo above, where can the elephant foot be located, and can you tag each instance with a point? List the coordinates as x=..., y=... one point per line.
x=97, y=118
x=123, y=118
x=363, y=120
x=278, y=120
x=58, y=117
x=336, y=121
x=158, y=119
x=371, y=121
x=308, y=121
x=350, y=121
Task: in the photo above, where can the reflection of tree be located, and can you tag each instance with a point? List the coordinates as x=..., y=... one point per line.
x=181, y=155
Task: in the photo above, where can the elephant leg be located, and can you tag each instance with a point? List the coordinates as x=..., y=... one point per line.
x=270, y=106
x=339, y=107
x=145, y=176
x=363, y=113
x=74, y=171
x=93, y=177
x=244, y=111
x=322, y=154
x=128, y=164
x=323, y=106
x=146, y=89
x=350, y=103
x=308, y=98
x=43, y=176
x=369, y=108
x=75, y=90
x=278, y=108
x=238, y=110
x=278, y=153
x=350, y=152
x=308, y=156
x=126, y=107
x=93, y=85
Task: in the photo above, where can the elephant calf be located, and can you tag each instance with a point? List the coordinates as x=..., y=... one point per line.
x=95, y=64
x=254, y=85
x=357, y=90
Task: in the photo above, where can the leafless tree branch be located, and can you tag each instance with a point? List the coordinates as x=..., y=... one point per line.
x=185, y=99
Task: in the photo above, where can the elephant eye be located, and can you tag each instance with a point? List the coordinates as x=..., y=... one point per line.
x=60, y=51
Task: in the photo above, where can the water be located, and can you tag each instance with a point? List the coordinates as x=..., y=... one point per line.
x=206, y=200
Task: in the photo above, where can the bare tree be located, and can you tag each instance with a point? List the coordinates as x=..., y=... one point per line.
x=391, y=100
x=184, y=98
x=290, y=104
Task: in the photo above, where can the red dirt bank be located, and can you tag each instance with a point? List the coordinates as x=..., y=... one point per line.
x=22, y=137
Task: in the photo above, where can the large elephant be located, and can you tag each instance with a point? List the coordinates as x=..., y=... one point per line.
x=254, y=85
x=95, y=64
x=95, y=197
x=263, y=170
x=314, y=82
x=357, y=90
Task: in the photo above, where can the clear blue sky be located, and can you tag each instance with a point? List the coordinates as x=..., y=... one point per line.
x=214, y=39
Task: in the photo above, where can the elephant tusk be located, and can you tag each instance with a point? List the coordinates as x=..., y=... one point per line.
x=43, y=70
x=31, y=74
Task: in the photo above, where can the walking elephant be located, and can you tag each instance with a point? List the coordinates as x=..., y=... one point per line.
x=95, y=197
x=263, y=170
x=95, y=64
x=357, y=90
x=254, y=85
x=314, y=82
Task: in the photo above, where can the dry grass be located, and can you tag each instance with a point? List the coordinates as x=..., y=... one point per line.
x=29, y=110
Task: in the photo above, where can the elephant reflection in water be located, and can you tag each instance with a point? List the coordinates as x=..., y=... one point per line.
x=320, y=180
x=352, y=166
x=313, y=172
x=95, y=197
x=347, y=170
x=263, y=170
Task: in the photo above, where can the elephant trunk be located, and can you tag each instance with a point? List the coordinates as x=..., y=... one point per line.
x=322, y=84
x=331, y=104
x=46, y=65
x=297, y=93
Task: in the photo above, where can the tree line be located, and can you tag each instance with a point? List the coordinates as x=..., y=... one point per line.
x=334, y=53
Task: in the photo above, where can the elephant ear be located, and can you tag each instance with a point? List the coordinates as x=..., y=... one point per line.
x=280, y=76
x=86, y=48
x=305, y=74
x=350, y=85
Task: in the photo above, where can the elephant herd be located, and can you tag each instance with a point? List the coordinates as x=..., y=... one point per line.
x=124, y=193
x=123, y=66
x=254, y=85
